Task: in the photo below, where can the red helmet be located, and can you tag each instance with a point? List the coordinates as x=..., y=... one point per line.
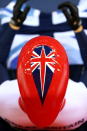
x=42, y=74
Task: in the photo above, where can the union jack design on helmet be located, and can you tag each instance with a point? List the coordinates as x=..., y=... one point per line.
x=43, y=63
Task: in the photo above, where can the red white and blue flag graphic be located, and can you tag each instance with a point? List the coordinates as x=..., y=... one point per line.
x=43, y=65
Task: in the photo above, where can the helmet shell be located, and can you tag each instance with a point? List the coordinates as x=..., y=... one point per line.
x=42, y=74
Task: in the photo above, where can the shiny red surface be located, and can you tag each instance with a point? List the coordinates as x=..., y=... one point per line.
x=42, y=115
